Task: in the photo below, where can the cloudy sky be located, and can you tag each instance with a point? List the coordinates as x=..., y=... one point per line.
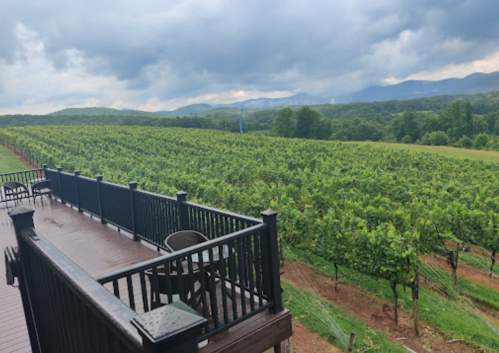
x=161, y=55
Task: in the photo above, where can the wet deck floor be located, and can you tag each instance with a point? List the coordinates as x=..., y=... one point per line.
x=96, y=248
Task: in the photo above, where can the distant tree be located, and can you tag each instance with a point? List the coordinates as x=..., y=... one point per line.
x=438, y=138
x=407, y=139
x=308, y=123
x=284, y=124
x=465, y=142
x=481, y=140
x=406, y=124
x=467, y=128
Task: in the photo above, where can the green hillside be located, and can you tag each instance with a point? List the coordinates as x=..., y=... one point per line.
x=106, y=111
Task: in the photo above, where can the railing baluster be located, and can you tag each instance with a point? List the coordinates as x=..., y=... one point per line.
x=221, y=267
x=232, y=277
x=213, y=291
x=143, y=289
x=131, y=297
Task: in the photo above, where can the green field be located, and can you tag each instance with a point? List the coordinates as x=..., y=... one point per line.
x=450, y=152
x=370, y=208
x=9, y=163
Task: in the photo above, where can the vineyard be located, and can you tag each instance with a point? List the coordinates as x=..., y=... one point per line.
x=365, y=212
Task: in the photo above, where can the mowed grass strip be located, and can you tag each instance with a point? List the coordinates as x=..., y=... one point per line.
x=479, y=262
x=451, y=318
x=450, y=152
x=307, y=309
x=9, y=163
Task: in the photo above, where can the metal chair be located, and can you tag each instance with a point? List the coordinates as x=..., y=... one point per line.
x=180, y=281
x=15, y=190
x=42, y=188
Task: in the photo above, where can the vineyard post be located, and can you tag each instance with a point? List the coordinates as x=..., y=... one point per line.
x=59, y=170
x=415, y=297
x=133, y=187
x=77, y=174
x=99, y=198
x=493, y=258
x=183, y=219
x=270, y=219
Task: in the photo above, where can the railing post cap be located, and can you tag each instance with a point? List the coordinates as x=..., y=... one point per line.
x=77, y=172
x=99, y=177
x=269, y=213
x=59, y=169
x=181, y=193
x=44, y=166
x=133, y=185
x=169, y=324
x=21, y=212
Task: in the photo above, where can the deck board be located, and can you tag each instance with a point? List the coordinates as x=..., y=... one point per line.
x=84, y=240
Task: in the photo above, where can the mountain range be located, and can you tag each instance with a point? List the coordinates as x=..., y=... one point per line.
x=475, y=83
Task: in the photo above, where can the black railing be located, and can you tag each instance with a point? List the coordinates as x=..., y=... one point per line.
x=227, y=279
x=148, y=216
x=27, y=178
x=226, y=289
x=68, y=311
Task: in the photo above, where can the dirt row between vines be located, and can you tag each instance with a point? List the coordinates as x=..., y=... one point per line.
x=375, y=312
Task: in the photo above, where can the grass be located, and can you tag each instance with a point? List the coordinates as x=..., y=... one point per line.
x=449, y=317
x=479, y=293
x=478, y=262
x=301, y=304
x=9, y=163
x=451, y=152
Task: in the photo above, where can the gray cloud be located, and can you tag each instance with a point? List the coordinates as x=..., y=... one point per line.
x=171, y=50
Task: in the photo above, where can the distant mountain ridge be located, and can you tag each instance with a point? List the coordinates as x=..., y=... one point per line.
x=474, y=83
x=94, y=111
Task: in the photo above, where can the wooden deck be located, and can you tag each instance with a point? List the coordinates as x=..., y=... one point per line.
x=96, y=248
x=100, y=249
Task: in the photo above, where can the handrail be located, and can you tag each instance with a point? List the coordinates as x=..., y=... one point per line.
x=22, y=171
x=177, y=255
x=223, y=212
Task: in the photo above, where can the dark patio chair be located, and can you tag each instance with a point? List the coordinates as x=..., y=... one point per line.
x=42, y=188
x=175, y=242
x=15, y=190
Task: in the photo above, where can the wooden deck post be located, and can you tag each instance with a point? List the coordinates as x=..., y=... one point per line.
x=172, y=328
x=22, y=217
x=183, y=217
x=59, y=170
x=77, y=174
x=133, y=187
x=99, y=198
x=270, y=218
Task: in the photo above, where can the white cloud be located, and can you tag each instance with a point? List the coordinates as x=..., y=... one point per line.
x=488, y=64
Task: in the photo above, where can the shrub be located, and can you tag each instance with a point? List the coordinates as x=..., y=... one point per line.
x=406, y=139
x=425, y=140
x=439, y=138
x=465, y=142
x=481, y=140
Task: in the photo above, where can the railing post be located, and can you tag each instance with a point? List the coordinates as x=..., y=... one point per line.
x=44, y=166
x=133, y=187
x=99, y=198
x=22, y=217
x=77, y=174
x=59, y=170
x=183, y=217
x=172, y=328
x=270, y=219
